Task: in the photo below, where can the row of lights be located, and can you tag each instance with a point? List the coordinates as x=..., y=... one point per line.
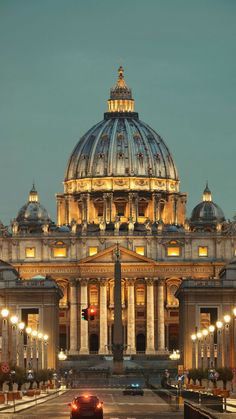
x=21, y=326
x=211, y=328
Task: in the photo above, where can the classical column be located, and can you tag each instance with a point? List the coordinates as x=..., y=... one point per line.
x=83, y=323
x=131, y=318
x=73, y=318
x=161, y=316
x=103, y=349
x=150, y=347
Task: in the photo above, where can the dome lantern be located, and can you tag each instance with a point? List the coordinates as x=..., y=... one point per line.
x=33, y=195
x=206, y=197
x=120, y=95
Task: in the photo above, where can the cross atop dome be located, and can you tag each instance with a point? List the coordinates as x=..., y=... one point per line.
x=33, y=195
x=120, y=95
x=207, y=194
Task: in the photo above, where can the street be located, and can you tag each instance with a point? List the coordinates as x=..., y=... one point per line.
x=116, y=406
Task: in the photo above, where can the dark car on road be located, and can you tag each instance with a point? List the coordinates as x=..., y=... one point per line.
x=133, y=390
x=86, y=407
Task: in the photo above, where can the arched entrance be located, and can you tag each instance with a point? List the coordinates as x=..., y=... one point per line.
x=140, y=342
x=93, y=343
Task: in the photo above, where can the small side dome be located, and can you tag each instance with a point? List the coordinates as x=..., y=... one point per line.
x=206, y=215
x=32, y=216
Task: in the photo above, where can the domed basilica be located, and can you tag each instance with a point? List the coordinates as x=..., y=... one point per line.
x=121, y=186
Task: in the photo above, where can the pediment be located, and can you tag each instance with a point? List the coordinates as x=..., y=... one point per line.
x=108, y=256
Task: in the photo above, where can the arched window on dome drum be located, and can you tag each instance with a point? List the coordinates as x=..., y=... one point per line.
x=120, y=208
x=142, y=206
x=99, y=208
x=93, y=295
x=140, y=295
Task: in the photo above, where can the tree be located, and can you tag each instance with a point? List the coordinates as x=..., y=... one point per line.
x=225, y=374
x=20, y=376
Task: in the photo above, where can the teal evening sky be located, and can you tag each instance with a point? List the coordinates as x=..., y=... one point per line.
x=59, y=59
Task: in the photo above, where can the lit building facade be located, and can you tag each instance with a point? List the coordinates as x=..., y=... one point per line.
x=121, y=185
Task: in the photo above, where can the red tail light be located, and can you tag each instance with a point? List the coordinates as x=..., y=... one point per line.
x=99, y=406
x=74, y=406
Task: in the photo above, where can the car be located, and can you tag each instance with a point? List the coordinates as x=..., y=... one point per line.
x=86, y=406
x=133, y=390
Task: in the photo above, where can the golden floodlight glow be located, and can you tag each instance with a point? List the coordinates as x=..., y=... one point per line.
x=21, y=325
x=205, y=332
x=45, y=338
x=193, y=337
x=34, y=333
x=5, y=312
x=219, y=325
x=40, y=335
x=234, y=311
x=28, y=330
x=227, y=318
x=14, y=319
x=199, y=335
x=211, y=328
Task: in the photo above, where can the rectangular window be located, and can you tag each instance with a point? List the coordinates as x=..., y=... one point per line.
x=30, y=252
x=93, y=251
x=120, y=208
x=202, y=251
x=173, y=251
x=140, y=250
x=59, y=252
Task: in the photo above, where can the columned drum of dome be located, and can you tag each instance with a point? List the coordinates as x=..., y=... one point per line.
x=118, y=157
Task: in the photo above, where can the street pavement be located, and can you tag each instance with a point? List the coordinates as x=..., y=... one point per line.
x=116, y=406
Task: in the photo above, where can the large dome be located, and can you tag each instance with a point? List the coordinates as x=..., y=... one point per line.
x=121, y=145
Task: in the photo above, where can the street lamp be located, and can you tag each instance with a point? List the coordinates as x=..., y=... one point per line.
x=28, y=347
x=5, y=314
x=211, y=339
x=34, y=335
x=194, y=352
x=20, y=345
x=62, y=355
x=204, y=360
x=227, y=319
x=234, y=332
x=219, y=326
x=45, y=351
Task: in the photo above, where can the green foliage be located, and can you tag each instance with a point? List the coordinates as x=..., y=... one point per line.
x=225, y=374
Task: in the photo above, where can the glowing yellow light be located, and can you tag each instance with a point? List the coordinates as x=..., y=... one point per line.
x=59, y=252
x=14, y=319
x=4, y=312
x=211, y=328
x=21, y=325
x=30, y=252
x=193, y=337
x=234, y=311
x=28, y=330
x=203, y=251
x=93, y=251
x=45, y=338
x=199, y=335
x=205, y=332
x=34, y=333
x=139, y=250
x=40, y=335
x=219, y=325
x=227, y=318
x=173, y=251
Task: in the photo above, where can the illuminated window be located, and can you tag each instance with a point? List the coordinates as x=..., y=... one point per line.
x=99, y=208
x=30, y=252
x=59, y=252
x=139, y=250
x=140, y=295
x=203, y=251
x=93, y=251
x=93, y=295
x=173, y=251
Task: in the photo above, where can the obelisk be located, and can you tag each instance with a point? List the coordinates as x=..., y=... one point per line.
x=118, y=345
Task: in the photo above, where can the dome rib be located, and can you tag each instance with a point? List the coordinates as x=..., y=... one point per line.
x=95, y=145
x=111, y=148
